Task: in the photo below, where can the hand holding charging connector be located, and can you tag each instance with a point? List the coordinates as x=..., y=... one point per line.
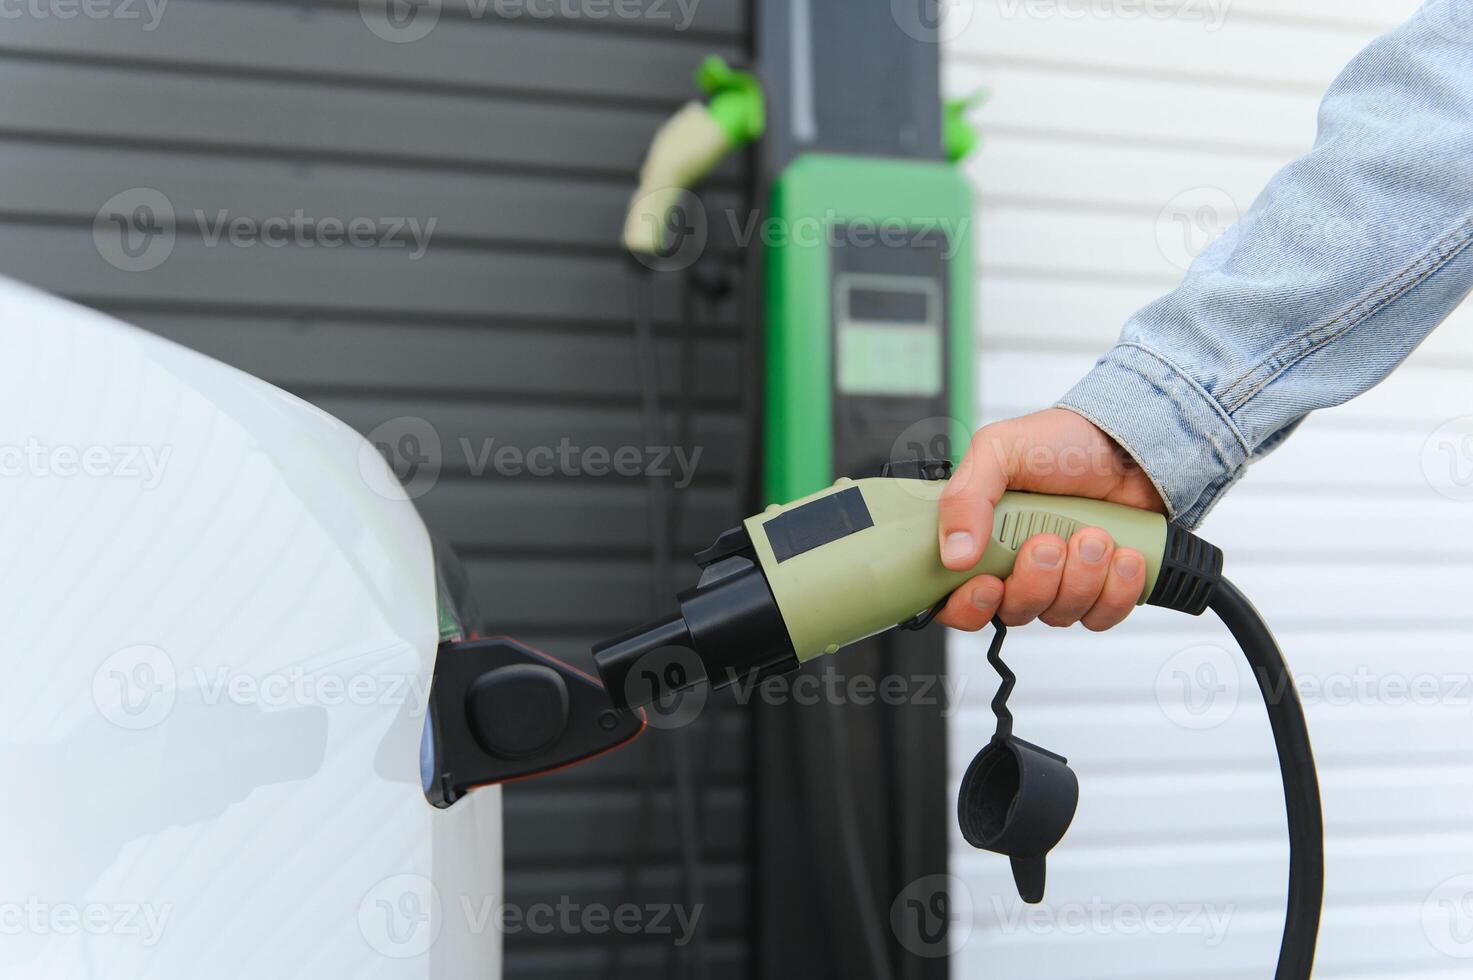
x=1060, y=581
x=811, y=577
x=808, y=578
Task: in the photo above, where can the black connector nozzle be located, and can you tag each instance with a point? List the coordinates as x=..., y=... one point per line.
x=729, y=624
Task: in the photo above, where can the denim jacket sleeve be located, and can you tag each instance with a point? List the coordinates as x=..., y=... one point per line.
x=1349, y=258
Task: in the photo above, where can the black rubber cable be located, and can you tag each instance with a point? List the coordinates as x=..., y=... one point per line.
x=662, y=584
x=1297, y=769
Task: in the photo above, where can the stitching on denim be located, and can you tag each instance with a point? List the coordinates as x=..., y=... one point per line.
x=1242, y=447
x=1295, y=350
x=1230, y=471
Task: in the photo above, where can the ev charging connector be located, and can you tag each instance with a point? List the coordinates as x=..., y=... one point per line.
x=689, y=146
x=808, y=578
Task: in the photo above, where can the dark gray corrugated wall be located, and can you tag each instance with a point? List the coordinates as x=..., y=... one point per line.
x=517, y=127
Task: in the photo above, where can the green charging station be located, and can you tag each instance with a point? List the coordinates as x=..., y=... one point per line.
x=867, y=394
x=867, y=334
x=868, y=316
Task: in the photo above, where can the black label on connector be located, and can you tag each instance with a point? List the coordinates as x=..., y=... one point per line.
x=818, y=523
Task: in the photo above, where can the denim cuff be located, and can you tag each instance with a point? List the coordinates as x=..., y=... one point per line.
x=1178, y=433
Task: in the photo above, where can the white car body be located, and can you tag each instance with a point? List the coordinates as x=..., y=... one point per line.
x=220, y=622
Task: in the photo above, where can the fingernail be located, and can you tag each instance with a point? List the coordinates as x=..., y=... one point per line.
x=1127, y=566
x=1047, y=555
x=958, y=546
x=986, y=598
x=1092, y=549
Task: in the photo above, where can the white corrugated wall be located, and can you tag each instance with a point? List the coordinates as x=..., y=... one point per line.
x=1106, y=119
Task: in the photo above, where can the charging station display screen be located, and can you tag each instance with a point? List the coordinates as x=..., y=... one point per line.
x=890, y=337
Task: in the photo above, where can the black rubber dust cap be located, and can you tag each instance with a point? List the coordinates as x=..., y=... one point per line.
x=1018, y=799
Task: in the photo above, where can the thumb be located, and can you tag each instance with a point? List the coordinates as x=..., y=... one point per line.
x=966, y=506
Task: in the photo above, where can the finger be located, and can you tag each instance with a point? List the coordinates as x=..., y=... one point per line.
x=1123, y=587
x=1034, y=584
x=965, y=511
x=973, y=604
x=1085, y=569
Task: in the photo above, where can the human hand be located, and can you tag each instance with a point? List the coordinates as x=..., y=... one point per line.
x=1085, y=579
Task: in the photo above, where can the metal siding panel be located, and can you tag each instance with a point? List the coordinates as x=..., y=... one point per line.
x=443, y=282
x=521, y=136
x=312, y=118
x=1172, y=814
x=526, y=56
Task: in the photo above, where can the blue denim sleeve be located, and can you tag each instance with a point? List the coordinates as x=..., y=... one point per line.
x=1349, y=258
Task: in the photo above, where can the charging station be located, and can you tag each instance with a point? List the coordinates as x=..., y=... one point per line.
x=869, y=350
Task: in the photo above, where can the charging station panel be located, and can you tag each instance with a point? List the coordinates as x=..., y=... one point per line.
x=890, y=350
x=869, y=318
